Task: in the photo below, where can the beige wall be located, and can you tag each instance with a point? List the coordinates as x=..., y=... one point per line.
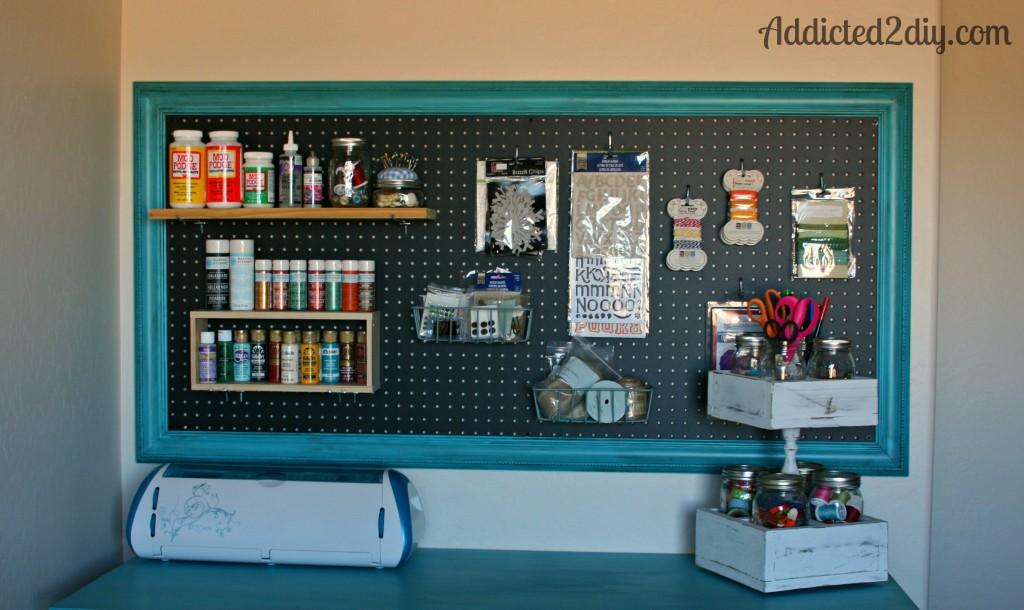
x=60, y=494
x=975, y=551
x=568, y=40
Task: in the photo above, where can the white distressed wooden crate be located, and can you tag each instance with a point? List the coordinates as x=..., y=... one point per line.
x=793, y=404
x=772, y=560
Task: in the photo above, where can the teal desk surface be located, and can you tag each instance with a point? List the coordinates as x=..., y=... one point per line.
x=444, y=578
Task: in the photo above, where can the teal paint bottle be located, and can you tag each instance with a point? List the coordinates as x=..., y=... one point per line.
x=242, y=352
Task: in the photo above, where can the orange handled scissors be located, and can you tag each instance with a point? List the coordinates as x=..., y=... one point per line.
x=766, y=312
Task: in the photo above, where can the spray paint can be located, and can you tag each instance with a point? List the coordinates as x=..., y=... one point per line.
x=241, y=274
x=217, y=264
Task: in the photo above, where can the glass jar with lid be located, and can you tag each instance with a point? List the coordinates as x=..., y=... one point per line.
x=783, y=361
x=749, y=350
x=832, y=359
x=780, y=501
x=395, y=193
x=836, y=497
x=807, y=470
x=350, y=173
x=739, y=483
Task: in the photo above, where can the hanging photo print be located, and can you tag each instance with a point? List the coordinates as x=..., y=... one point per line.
x=823, y=232
x=517, y=201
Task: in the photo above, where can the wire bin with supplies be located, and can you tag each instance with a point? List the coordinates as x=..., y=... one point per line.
x=626, y=401
x=477, y=324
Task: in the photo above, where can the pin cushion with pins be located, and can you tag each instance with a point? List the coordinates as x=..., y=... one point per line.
x=398, y=184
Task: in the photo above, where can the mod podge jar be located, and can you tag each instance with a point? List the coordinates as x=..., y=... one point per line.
x=836, y=497
x=749, y=350
x=187, y=170
x=224, y=170
x=780, y=501
x=350, y=172
x=739, y=483
x=832, y=359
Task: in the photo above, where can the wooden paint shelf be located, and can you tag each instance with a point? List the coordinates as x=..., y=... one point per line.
x=383, y=214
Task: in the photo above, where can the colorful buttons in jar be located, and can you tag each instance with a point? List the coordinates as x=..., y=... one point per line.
x=739, y=484
x=836, y=497
x=780, y=501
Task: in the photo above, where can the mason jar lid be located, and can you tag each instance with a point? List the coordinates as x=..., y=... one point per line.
x=743, y=471
x=348, y=143
x=749, y=340
x=809, y=468
x=398, y=184
x=836, y=478
x=780, y=481
x=832, y=343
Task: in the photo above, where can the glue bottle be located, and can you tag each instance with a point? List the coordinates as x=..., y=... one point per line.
x=289, y=175
x=312, y=182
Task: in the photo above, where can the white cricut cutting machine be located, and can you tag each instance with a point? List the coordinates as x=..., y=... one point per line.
x=298, y=515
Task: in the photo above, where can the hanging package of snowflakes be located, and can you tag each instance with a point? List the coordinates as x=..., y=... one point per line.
x=823, y=233
x=517, y=202
x=609, y=244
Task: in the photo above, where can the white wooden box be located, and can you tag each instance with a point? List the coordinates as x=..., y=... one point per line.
x=771, y=560
x=793, y=404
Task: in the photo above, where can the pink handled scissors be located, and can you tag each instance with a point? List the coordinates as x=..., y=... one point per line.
x=801, y=319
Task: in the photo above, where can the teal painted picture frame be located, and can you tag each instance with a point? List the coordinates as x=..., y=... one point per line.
x=890, y=104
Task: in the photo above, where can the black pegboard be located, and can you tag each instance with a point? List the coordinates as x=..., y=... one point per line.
x=470, y=389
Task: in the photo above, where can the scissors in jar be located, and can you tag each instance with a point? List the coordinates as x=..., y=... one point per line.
x=767, y=312
x=800, y=318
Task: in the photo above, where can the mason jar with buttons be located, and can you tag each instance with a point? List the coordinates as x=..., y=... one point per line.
x=780, y=501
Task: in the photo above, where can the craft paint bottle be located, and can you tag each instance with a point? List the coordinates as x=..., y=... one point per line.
x=241, y=274
x=312, y=182
x=309, y=357
x=367, y=286
x=329, y=351
x=258, y=355
x=350, y=285
x=274, y=357
x=207, y=357
x=297, y=285
x=315, y=283
x=290, y=358
x=261, y=284
x=279, y=285
x=258, y=180
x=218, y=260
x=223, y=170
x=241, y=348
x=187, y=170
x=360, y=357
x=347, y=357
x=289, y=175
x=225, y=357
x=332, y=285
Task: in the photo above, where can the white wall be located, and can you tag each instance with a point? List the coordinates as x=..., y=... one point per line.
x=60, y=493
x=977, y=539
x=568, y=40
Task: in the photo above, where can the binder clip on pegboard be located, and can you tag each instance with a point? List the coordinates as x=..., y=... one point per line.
x=687, y=252
x=743, y=228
